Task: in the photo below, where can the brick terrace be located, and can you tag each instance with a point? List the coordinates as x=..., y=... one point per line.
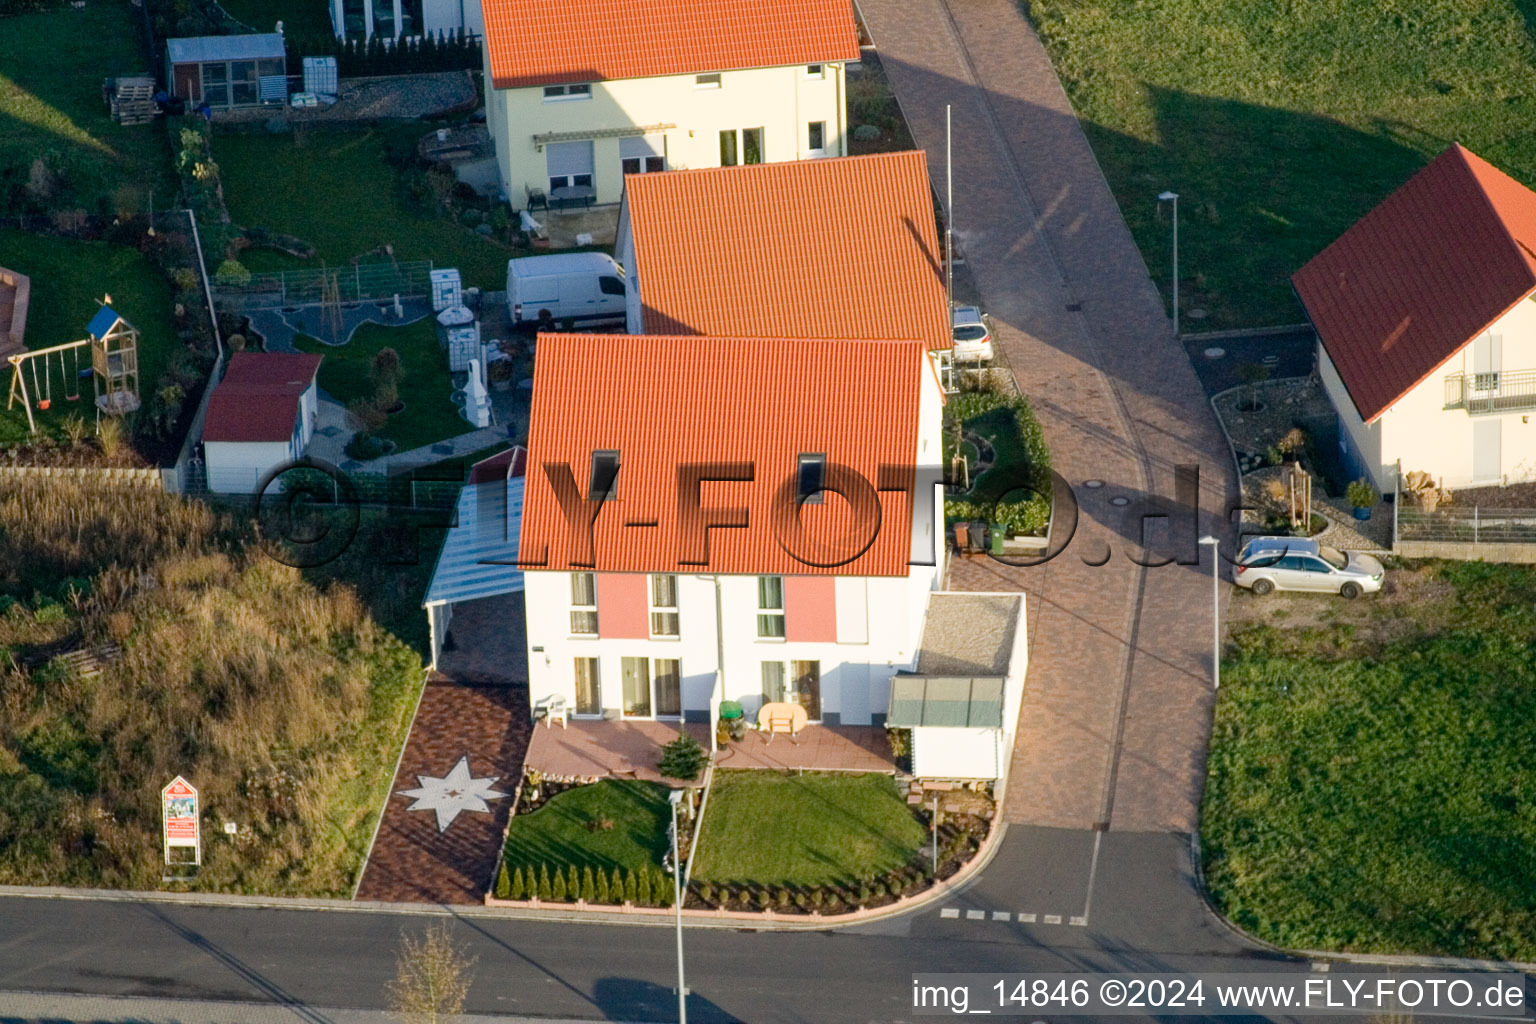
x=1117, y=702
x=588, y=749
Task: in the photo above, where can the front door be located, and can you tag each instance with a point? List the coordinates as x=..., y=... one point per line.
x=1486, y=460
x=806, y=687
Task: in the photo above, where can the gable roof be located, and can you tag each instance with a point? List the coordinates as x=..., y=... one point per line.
x=840, y=248
x=105, y=319
x=531, y=42
x=1421, y=276
x=258, y=399
x=663, y=402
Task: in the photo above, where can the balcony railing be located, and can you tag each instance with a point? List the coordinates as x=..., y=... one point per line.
x=1504, y=391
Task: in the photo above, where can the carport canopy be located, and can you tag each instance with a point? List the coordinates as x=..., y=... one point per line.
x=479, y=555
x=974, y=702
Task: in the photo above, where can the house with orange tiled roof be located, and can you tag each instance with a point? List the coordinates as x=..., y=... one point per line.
x=578, y=97
x=693, y=501
x=1425, y=314
x=853, y=252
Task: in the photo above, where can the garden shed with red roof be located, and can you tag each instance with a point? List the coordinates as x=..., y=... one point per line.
x=262, y=414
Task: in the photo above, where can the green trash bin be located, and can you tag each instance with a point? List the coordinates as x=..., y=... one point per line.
x=729, y=710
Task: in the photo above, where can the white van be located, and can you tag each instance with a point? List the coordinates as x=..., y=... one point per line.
x=581, y=286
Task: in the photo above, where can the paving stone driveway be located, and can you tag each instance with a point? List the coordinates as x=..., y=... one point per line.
x=1117, y=705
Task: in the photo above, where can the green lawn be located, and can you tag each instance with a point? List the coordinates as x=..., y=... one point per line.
x=336, y=192
x=1371, y=785
x=68, y=280
x=558, y=835
x=425, y=385
x=803, y=830
x=1280, y=124
x=51, y=67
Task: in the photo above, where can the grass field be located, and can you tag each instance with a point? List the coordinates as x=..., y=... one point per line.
x=51, y=67
x=425, y=384
x=1280, y=124
x=803, y=830
x=1370, y=781
x=558, y=835
x=336, y=192
x=68, y=281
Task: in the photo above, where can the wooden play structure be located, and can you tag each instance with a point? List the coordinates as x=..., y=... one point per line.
x=109, y=355
x=15, y=294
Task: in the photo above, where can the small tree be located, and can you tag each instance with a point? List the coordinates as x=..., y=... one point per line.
x=519, y=889
x=661, y=888
x=232, y=274
x=683, y=758
x=546, y=888
x=588, y=885
x=1361, y=494
x=432, y=977
x=557, y=890
x=615, y=886
x=572, y=882
x=600, y=892
x=503, y=883
x=631, y=887
x=643, y=888
x=385, y=367
x=1252, y=375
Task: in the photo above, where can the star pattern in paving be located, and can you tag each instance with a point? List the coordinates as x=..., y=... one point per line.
x=452, y=794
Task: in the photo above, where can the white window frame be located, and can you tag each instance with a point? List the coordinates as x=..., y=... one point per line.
x=816, y=150
x=713, y=80
x=661, y=613
x=583, y=609
x=815, y=71
x=597, y=685
x=652, y=695
x=566, y=93
x=770, y=613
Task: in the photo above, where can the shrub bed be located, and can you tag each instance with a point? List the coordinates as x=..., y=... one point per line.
x=1022, y=466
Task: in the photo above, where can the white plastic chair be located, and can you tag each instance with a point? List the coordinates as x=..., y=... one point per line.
x=554, y=710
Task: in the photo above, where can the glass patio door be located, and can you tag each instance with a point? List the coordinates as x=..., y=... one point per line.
x=669, y=688
x=806, y=687
x=637, y=687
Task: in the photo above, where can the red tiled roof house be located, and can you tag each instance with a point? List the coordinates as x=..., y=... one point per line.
x=262, y=414
x=580, y=96
x=704, y=448
x=1427, y=329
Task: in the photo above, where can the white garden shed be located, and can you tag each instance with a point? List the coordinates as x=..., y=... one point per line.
x=261, y=416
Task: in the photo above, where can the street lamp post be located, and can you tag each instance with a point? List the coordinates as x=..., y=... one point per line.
x=1213, y=543
x=674, y=798
x=1173, y=197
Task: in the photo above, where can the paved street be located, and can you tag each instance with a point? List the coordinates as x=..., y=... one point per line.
x=1117, y=705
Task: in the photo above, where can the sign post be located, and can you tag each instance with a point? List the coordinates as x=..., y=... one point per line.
x=178, y=806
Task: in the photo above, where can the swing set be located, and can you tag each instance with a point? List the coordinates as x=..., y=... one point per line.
x=113, y=359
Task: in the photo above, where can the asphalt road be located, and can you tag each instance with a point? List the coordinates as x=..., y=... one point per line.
x=1143, y=915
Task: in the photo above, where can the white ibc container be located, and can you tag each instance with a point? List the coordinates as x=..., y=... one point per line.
x=447, y=290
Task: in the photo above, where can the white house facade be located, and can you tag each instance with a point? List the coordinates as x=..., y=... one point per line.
x=648, y=630
x=575, y=104
x=1426, y=329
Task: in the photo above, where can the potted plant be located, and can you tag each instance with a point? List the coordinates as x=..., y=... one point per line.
x=1361, y=497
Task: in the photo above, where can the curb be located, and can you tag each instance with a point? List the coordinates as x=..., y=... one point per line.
x=1453, y=963
x=1239, y=332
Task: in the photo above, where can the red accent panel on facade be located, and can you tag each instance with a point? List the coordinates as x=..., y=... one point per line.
x=623, y=608
x=810, y=609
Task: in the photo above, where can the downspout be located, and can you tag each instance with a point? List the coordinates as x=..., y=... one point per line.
x=714, y=718
x=842, y=126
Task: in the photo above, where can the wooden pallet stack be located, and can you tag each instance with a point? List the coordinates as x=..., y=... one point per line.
x=133, y=101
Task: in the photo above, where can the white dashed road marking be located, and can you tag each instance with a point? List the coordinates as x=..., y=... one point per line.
x=950, y=912
x=953, y=913
x=1000, y=915
x=975, y=915
x=1053, y=919
x=1027, y=918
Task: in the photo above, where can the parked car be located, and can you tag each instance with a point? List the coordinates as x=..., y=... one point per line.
x=1294, y=563
x=580, y=286
x=973, y=342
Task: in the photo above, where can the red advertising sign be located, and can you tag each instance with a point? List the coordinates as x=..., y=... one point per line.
x=178, y=802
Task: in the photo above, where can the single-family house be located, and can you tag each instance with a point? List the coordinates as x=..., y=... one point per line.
x=677, y=542
x=577, y=99
x=841, y=249
x=262, y=415
x=1425, y=314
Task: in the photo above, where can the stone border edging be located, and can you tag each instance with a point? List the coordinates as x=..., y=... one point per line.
x=1197, y=872
x=149, y=477
x=1239, y=332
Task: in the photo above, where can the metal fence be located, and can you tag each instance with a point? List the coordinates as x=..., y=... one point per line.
x=356, y=283
x=375, y=489
x=1468, y=525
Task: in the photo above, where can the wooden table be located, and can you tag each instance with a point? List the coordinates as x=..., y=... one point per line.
x=569, y=195
x=781, y=716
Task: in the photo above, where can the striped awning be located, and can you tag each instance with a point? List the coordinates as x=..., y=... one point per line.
x=479, y=555
x=974, y=702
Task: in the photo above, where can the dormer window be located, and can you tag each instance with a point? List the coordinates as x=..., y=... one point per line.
x=604, y=485
x=811, y=478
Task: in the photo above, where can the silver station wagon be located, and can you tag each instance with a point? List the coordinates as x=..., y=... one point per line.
x=1295, y=563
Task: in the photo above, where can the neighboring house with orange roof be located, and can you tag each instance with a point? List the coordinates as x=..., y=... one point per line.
x=716, y=567
x=262, y=415
x=852, y=253
x=579, y=97
x=1426, y=328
